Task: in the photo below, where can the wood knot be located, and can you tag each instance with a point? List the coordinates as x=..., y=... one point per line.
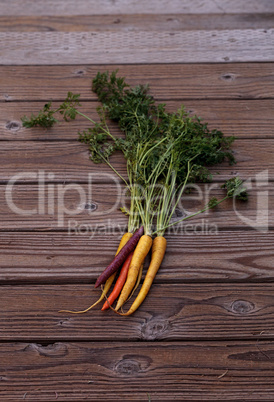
x=228, y=77
x=132, y=364
x=155, y=329
x=242, y=307
x=128, y=367
x=52, y=350
x=117, y=21
x=91, y=206
x=64, y=322
x=13, y=125
x=80, y=72
x=261, y=355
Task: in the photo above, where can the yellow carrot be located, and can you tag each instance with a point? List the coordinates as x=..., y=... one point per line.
x=158, y=253
x=137, y=282
x=138, y=258
x=125, y=238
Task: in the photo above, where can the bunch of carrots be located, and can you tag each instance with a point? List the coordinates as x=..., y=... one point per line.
x=163, y=152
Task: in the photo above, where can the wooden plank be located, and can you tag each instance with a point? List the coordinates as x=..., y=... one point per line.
x=105, y=7
x=136, y=22
x=242, y=118
x=204, y=256
x=62, y=207
x=69, y=161
x=177, y=81
x=59, y=48
x=170, y=312
x=186, y=371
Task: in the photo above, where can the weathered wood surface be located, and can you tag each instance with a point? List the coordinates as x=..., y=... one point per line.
x=69, y=161
x=136, y=22
x=131, y=371
x=242, y=118
x=171, y=312
x=177, y=81
x=77, y=257
x=97, y=207
x=210, y=312
x=60, y=48
x=106, y=7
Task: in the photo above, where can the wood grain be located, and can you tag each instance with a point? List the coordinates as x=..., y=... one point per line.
x=131, y=371
x=105, y=7
x=177, y=81
x=79, y=257
x=170, y=312
x=67, y=162
x=62, y=207
x=205, y=332
x=241, y=118
x=60, y=48
x=135, y=22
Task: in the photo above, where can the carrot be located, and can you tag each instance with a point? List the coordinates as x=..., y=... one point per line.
x=119, y=283
x=120, y=257
x=138, y=258
x=158, y=253
x=135, y=287
x=125, y=238
x=137, y=282
x=133, y=291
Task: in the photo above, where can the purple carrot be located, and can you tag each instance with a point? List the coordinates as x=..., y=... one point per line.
x=120, y=257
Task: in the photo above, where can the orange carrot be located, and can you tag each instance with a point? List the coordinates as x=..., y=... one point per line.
x=125, y=238
x=158, y=253
x=119, y=283
x=138, y=258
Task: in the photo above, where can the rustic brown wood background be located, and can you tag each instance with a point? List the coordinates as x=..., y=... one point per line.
x=206, y=331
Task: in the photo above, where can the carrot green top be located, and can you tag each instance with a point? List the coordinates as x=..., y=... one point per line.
x=163, y=151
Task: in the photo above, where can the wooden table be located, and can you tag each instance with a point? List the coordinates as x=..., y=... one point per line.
x=206, y=330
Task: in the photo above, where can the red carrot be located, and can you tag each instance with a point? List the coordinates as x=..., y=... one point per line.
x=119, y=283
x=120, y=257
